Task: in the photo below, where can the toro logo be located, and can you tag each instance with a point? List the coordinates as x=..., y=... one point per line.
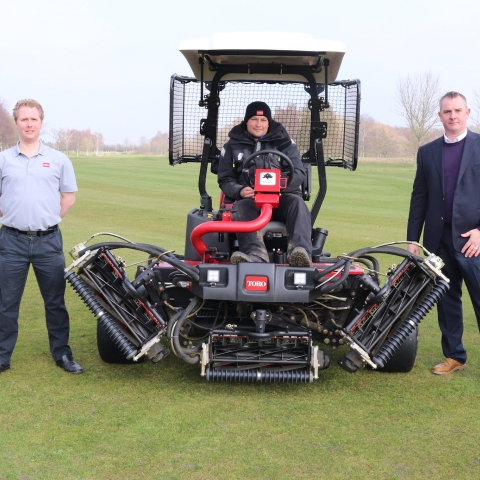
x=268, y=178
x=257, y=284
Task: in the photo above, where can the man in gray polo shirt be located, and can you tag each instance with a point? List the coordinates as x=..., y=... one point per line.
x=37, y=188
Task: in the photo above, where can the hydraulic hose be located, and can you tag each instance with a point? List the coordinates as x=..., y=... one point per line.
x=175, y=340
x=342, y=263
x=400, y=252
x=171, y=323
x=150, y=249
x=358, y=254
x=104, y=319
x=391, y=346
x=374, y=267
x=338, y=264
x=329, y=287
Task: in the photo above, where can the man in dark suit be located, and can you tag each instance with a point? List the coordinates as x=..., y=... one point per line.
x=445, y=203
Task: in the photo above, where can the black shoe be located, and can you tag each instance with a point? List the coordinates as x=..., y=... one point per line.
x=69, y=364
x=4, y=367
x=300, y=258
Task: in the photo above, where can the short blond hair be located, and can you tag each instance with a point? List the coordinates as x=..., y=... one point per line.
x=27, y=102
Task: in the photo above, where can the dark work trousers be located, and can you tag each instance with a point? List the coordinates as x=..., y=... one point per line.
x=450, y=314
x=292, y=211
x=45, y=253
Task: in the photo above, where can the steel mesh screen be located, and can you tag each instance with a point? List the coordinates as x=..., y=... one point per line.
x=289, y=105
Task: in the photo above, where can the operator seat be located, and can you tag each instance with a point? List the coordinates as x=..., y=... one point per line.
x=275, y=232
x=274, y=235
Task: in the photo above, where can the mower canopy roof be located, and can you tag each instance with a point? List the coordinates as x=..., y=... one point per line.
x=250, y=56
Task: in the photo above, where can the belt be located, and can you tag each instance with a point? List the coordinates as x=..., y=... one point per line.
x=34, y=233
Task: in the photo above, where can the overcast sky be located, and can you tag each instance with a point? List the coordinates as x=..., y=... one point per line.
x=106, y=65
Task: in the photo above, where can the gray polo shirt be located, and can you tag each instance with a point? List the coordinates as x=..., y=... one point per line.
x=30, y=187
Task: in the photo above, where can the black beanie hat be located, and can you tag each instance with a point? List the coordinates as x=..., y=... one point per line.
x=260, y=109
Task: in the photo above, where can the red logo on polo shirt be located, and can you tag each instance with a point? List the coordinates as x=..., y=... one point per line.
x=254, y=283
x=45, y=165
x=260, y=113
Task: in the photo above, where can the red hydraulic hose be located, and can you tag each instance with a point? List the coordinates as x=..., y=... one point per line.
x=228, y=227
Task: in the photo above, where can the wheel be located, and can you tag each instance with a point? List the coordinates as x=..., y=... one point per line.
x=108, y=351
x=404, y=358
x=249, y=160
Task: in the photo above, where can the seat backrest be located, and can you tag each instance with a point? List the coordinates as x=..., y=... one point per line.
x=307, y=184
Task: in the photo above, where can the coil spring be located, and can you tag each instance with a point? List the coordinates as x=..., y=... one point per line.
x=104, y=318
x=257, y=375
x=387, y=351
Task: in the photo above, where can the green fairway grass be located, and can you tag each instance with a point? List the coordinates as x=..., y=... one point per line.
x=165, y=421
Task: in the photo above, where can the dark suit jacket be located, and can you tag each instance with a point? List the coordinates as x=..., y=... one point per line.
x=427, y=205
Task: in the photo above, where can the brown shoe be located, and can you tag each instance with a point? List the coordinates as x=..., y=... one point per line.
x=449, y=365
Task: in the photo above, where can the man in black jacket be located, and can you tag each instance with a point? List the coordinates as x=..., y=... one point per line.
x=259, y=131
x=445, y=203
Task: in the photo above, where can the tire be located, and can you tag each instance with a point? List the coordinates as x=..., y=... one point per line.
x=404, y=358
x=108, y=351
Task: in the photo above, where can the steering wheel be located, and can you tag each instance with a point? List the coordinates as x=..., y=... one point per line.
x=249, y=161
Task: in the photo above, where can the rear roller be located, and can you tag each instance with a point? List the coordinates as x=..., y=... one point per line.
x=253, y=356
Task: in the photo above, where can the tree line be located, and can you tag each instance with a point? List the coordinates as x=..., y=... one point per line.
x=417, y=98
x=85, y=142
x=384, y=141
x=81, y=142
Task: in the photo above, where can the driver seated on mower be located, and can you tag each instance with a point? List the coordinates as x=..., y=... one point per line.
x=259, y=131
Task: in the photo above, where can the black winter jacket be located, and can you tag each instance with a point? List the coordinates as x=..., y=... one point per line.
x=241, y=145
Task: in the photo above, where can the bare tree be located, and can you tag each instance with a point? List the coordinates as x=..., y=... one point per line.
x=76, y=140
x=66, y=138
x=144, y=145
x=159, y=143
x=62, y=137
x=56, y=134
x=291, y=116
x=8, y=132
x=418, y=98
x=367, y=124
x=98, y=141
x=87, y=143
x=475, y=115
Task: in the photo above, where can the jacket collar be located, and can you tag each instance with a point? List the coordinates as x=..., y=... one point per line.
x=239, y=132
x=472, y=143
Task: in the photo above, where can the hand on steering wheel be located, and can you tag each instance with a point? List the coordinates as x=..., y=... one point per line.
x=249, y=161
x=247, y=192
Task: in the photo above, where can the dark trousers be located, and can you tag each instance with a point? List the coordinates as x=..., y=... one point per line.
x=45, y=253
x=292, y=211
x=450, y=314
